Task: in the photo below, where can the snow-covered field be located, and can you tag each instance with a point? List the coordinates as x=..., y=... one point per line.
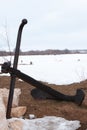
x=55, y=69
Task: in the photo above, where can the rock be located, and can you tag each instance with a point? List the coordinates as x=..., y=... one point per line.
x=5, y=92
x=15, y=112
x=3, y=121
x=18, y=111
x=15, y=124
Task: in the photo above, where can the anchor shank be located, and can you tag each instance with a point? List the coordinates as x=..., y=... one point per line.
x=13, y=77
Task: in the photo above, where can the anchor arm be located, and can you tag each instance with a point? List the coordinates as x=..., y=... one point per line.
x=7, y=69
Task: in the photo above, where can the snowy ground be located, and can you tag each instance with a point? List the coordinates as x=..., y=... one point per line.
x=48, y=123
x=55, y=69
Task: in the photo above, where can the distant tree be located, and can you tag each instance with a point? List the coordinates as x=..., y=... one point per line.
x=66, y=51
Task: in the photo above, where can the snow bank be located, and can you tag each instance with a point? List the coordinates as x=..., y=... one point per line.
x=45, y=123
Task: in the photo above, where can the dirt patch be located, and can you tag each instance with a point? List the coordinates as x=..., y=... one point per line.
x=40, y=108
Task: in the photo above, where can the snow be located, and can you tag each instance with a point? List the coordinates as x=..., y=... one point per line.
x=54, y=69
x=48, y=123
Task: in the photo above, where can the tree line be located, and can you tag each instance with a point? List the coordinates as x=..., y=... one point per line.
x=44, y=52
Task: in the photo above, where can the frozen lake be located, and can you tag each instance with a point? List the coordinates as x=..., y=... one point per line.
x=54, y=69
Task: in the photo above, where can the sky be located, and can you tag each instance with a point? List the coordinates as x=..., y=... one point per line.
x=52, y=24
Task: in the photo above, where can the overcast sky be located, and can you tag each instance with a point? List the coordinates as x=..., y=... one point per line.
x=52, y=24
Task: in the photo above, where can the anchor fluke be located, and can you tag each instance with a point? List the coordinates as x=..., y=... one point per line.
x=77, y=98
x=80, y=95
